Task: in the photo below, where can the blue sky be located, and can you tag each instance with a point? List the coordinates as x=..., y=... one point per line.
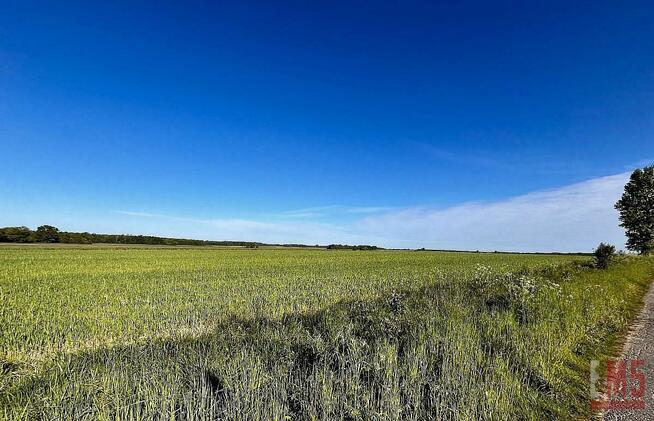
x=325, y=122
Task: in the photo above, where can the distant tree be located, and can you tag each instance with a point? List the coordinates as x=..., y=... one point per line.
x=603, y=255
x=349, y=247
x=47, y=234
x=636, y=209
x=16, y=235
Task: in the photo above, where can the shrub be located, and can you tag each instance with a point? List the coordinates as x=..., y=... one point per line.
x=603, y=255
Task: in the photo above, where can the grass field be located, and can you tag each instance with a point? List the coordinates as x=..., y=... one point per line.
x=203, y=333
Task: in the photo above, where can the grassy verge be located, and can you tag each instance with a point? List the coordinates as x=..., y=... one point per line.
x=490, y=344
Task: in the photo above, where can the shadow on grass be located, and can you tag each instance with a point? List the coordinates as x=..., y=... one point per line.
x=442, y=352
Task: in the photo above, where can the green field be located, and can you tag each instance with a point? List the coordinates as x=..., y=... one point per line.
x=210, y=333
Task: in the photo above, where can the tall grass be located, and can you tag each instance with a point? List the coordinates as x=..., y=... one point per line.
x=268, y=334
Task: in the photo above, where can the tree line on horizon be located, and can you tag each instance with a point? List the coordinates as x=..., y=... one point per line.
x=51, y=235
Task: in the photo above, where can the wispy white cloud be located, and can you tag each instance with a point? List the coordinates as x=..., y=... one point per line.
x=370, y=209
x=332, y=210
x=313, y=212
x=480, y=160
x=133, y=213
x=571, y=218
x=522, y=160
x=306, y=232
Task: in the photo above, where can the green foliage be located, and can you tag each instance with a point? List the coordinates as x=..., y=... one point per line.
x=50, y=234
x=603, y=255
x=47, y=234
x=205, y=334
x=636, y=209
x=347, y=247
x=16, y=235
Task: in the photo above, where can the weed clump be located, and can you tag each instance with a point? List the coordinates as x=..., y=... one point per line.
x=603, y=255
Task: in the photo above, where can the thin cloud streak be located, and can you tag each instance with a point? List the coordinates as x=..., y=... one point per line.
x=332, y=210
x=305, y=232
x=459, y=158
x=133, y=213
x=372, y=209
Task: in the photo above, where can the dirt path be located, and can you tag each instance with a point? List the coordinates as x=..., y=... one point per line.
x=640, y=346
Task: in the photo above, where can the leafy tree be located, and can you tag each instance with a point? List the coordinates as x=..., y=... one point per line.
x=636, y=209
x=603, y=255
x=47, y=234
x=348, y=247
x=16, y=235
